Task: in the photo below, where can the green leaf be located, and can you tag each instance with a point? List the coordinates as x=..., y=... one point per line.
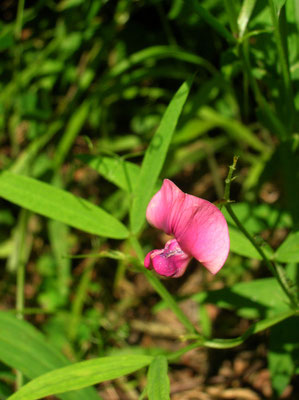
x=58, y=235
x=278, y=4
x=288, y=251
x=245, y=14
x=24, y=348
x=156, y=53
x=123, y=174
x=7, y=39
x=234, y=128
x=213, y=21
x=258, y=217
x=283, y=354
x=249, y=299
x=158, y=382
x=176, y=8
x=30, y=153
x=155, y=156
x=73, y=128
x=59, y=205
x=254, y=218
x=292, y=16
x=80, y=375
x=239, y=244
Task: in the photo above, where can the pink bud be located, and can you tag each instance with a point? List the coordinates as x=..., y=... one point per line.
x=199, y=228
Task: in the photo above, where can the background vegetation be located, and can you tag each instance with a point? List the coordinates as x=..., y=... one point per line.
x=84, y=86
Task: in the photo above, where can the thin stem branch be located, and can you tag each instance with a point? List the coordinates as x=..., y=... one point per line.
x=230, y=178
x=218, y=343
x=277, y=271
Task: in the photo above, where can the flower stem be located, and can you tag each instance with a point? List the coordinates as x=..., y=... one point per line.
x=218, y=343
x=277, y=271
x=169, y=300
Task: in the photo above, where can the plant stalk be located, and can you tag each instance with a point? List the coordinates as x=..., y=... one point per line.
x=277, y=272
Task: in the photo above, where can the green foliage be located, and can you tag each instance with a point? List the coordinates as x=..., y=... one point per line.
x=249, y=299
x=91, y=114
x=80, y=375
x=289, y=250
x=283, y=353
x=59, y=205
x=158, y=382
x=155, y=156
x=122, y=173
x=23, y=347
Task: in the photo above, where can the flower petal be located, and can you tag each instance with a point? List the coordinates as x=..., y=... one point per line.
x=198, y=226
x=202, y=232
x=163, y=209
x=170, y=261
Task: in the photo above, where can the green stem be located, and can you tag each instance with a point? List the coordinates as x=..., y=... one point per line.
x=160, y=288
x=271, y=265
x=283, y=64
x=177, y=354
x=137, y=247
x=277, y=272
x=253, y=329
x=230, y=178
x=234, y=342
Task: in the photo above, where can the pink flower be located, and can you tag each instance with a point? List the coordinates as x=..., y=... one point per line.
x=199, y=229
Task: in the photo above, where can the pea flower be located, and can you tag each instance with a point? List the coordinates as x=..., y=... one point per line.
x=199, y=229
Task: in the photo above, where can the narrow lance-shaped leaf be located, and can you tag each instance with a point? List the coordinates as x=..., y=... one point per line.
x=24, y=348
x=158, y=381
x=80, y=375
x=60, y=205
x=155, y=156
